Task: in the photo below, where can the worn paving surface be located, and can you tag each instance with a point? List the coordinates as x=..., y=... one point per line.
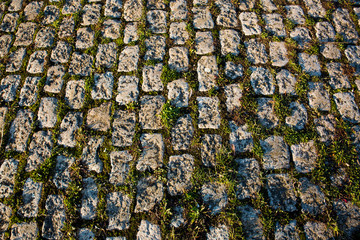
x=203, y=119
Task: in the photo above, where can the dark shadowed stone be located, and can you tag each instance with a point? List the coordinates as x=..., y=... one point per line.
x=348, y=218
x=178, y=217
x=249, y=178
x=89, y=199
x=312, y=198
x=152, y=152
x=123, y=128
x=180, y=169
x=214, y=195
x=118, y=210
x=287, y=232
x=55, y=217
x=210, y=147
x=298, y=117
x=304, y=156
x=276, y=153
x=150, y=192
x=86, y=234
x=251, y=222
x=325, y=126
x=266, y=114
x=30, y=199
x=317, y=230
x=62, y=176
x=280, y=188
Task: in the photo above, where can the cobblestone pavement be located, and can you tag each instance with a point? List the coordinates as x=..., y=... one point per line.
x=175, y=119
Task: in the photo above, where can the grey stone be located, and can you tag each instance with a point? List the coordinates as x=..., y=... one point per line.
x=150, y=109
x=177, y=219
x=90, y=155
x=233, y=70
x=268, y=5
x=241, y=139
x=5, y=214
x=318, y=96
x=37, y=62
x=62, y=176
x=340, y=178
x=118, y=210
x=278, y=54
x=179, y=93
x=133, y=10
x=155, y=48
x=233, y=95
x=15, y=60
x=147, y=230
x=215, y=197
x=298, y=118
x=106, y=55
x=325, y=126
x=86, y=234
x=288, y=231
x=310, y=64
x=209, y=112
x=71, y=6
x=32, y=10
x=179, y=59
x=84, y=38
x=29, y=91
x=200, y=2
x=55, y=217
x=202, y=18
x=352, y=53
x=89, y=199
x=8, y=171
x=20, y=130
x=325, y=32
x=150, y=192
x=5, y=43
x=312, y=199
x=317, y=230
x=40, y=149
x=25, y=34
x=51, y=14
x=266, y=114
x=3, y=112
x=178, y=10
x=75, y=94
x=47, y=114
x=262, y=81
x=45, y=37
x=111, y=29
x=251, y=222
x=120, y=167
x=67, y=27
x=295, y=14
x=344, y=25
x=276, y=153
x=274, y=24
x=256, y=52
x=208, y=72
x=113, y=8
x=249, y=184
x=151, y=76
x=9, y=22
x=30, y=199
x=227, y=17
x=180, y=169
x=130, y=32
x=152, y=153
x=249, y=23
x=24, y=231
x=128, y=59
x=245, y=5
x=128, y=90
x=81, y=64
x=90, y=14
x=218, y=233
x=182, y=133
x=346, y=105
x=178, y=33
x=229, y=41
x=210, y=147
x=286, y=82
x=315, y=8
x=337, y=77
x=123, y=128
x=69, y=127
x=348, y=218
x=302, y=36
x=204, y=43
x=103, y=86
x=61, y=53
x=157, y=21
x=330, y=50
x=280, y=188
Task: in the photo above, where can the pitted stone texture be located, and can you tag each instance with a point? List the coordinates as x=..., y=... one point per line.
x=216, y=233
x=130, y=32
x=152, y=153
x=345, y=26
x=227, y=17
x=47, y=114
x=214, y=196
x=177, y=219
x=182, y=133
x=180, y=169
x=286, y=82
x=147, y=230
x=15, y=60
x=133, y=10
x=278, y=54
x=233, y=70
x=315, y=8
x=8, y=171
x=152, y=78
x=150, y=192
x=3, y=112
x=155, y=48
x=150, y=109
x=210, y=147
x=208, y=72
x=256, y=52
x=120, y=167
x=111, y=29
x=156, y=4
x=240, y=139
x=295, y=14
x=209, y=112
x=30, y=198
x=346, y=105
x=276, y=153
x=5, y=214
x=233, y=95
x=268, y=5
x=68, y=128
x=288, y=231
x=123, y=128
x=106, y=55
x=128, y=59
x=337, y=77
x=157, y=21
x=5, y=43
x=330, y=50
x=9, y=22
x=128, y=90
x=32, y=10
x=55, y=217
x=352, y=53
x=229, y=41
x=90, y=155
x=54, y=79
x=280, y=188
x=37, y=62
x=103, y=86
x=118, y=210
x=67, y=27
x=262, y=81
x=81, y=64
x=71, y=6
x=348, y=218
x=266, y=114
x=178, y=10
x=249, y=23
x=75, y=94
x=249, y=178
x=89, y=199
x=204, y=43
x=84, y=38
x=178, y=33
x=179, y=93
x=113, y=8
x=318, y=96
x=62, y=177
x=317, y=230
x=312, y=198
x=9, y=86
x=274, y=24
x=91, y=14
x=20, y=130
x=24, y=231
x=298, y=118
x=202, y=18
x=25, y=34
x=39, y=149
x=98, y=118
x=325, y=32
x=29, y=91
x=302, y=36
x=251, y=222
x=86, y=234
x=51, y=14
x=61, y=53
x=325, y=126
x=179, y=59
x=245, y=5
x=310, y=64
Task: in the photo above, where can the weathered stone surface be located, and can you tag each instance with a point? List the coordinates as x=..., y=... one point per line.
x=152, y=153
x=37, y=62
x=123, y=128
x=252, y=224
x=352, y=53
x=325, y=32
x=86, y=234
x=295, y=14
x=202, y=18
x=274, y=24
x=262, y=81
x=317, y=230
x=128, y=59
x=61, y=53
x=240, y=139
x=330, y=50
x=344, y=25
x=9, y=86
x=90, y=155
x=5, y=43
x=103, y=86
x=286, y=82
x=315, y=8
x=325, y=126
x=278, y=54
x=180, y=169
x=318, y=96
x=71, y=6
x=268, y=5
x=111, y=29
x=54, y=79
x=214, y=196
x=304, y=156
x=233, y=95
x=91, y=14
x=209, y=112
x=227, y=17
x=30, y=199
x=118, y=210
x=312, y=199
x=32, y=10
x=179, y=59
x=256, y=52
x=178, y=217
x=130, y=32
x=156, y=4
x=120, y=167
x=25, y=34
x=128, y=90
x=9, y=22
x=75, y=94
x=157, y=21
x=24, y=231
x=233, y=70
x=302, y=36
x=133, y=10
x=345, y=103
x=310, y=64
x=229, y=41
x=67, y=26
x=298, y=118
x=98, y=118
x=249, y=178
x=150, y=108
x=81, y=64
x=84, y=38
x=155, y=48
x=68, y=128
x=348, y=218
x=8, y=171
x=220, y=232
x=51, y=14
x=3, y=112
x=47, y=114
x=55, y=217
x=147, y=230
x=337, y=77
x=276, y=153
x=20, y=130
x=280, y=188
x=204, y=43
x=29, y=91
x=208, y=72
x=39, y=149
x=89, y=199
x=249, y=23
x=179, y=93
x=5, y=214
x=182, y=133
x=152, y=78
x=62, y=176
x=266, y=114
x=178, y=10
x=150, y=192
x=106, y=55
x=210, y=147
x=288, y=231
x=15, y=60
